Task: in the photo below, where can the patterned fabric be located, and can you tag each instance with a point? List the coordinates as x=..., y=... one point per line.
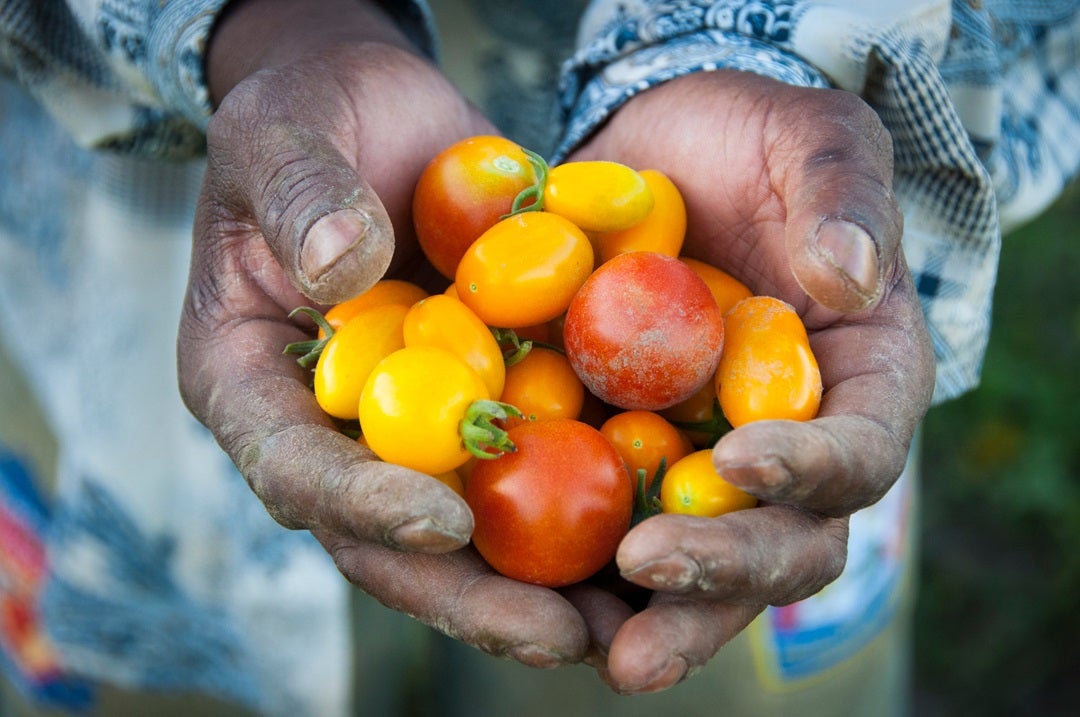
x=175, y=577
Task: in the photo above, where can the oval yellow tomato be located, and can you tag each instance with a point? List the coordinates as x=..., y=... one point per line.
x=524, y=270
x=692, y=486
x=597, y=195
x=350, y=354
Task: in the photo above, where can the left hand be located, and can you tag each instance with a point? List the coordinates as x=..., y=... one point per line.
x=789, y=190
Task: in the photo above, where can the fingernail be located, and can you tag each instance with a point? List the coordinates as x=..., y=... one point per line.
x=671, y=673
x=769, y=473
x=849, y=248
x=329, y=238
x=670, y=573
x=425, y=535
x=535, y=656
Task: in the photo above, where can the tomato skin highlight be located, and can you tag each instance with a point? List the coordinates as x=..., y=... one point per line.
x=524, y=270
x=598, y=195
x=768, y=370
x=547, y=514
x=351, y=353
x=692, y=486
x=643, y=332
x=412, y=406
x=463, y=192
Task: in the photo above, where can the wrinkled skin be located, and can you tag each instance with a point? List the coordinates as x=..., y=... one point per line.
x=310, y=168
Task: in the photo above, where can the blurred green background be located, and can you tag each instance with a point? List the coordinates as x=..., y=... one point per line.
x=998, y=617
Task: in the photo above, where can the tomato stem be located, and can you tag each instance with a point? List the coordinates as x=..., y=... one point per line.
x=535, y=192
x=715, y=427
x=311, y=349
x=647, y=501
x=479, y=433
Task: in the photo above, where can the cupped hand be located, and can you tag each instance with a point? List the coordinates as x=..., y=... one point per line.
x=326, y=117
x=789, y=190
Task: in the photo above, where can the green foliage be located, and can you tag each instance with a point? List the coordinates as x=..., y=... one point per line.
x=997, y=628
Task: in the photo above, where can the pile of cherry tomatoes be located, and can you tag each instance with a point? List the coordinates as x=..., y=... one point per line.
x=574, y=375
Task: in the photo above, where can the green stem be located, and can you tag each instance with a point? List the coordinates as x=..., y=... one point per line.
x=479, y=433
x=531, y=199
x=647, y=502
x=714, y=427
x=310, y=349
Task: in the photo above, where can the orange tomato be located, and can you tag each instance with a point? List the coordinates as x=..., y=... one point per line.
x=387, y=291
x=767, y=368
x=643, y=438
x=445, y=322
x=598, y=196
x=725, y=288
x=543, y=385
x=662, y=230
x=524, y=270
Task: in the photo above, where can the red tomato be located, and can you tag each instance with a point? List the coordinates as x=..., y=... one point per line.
x=554, y=511
x=644, y=331
x=463, y=192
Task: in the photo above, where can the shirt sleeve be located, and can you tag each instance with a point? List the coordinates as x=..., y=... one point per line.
x=982, y=109
x=129, y=75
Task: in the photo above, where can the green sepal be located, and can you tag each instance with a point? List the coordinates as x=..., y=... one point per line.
x=479, y=433
x=310, y=350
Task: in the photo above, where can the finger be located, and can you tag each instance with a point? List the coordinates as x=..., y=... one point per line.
x=603, y=612
x=775, y=554
x=670, y=640
x=459, y=595
x=832, y=160
x=323, y=222
x=256, y=401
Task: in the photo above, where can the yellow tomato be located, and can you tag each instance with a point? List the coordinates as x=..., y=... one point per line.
x=662, y=230
x=692, y=486
x=445, y=322
x=350, y=354
x=598, y=196
x=413, y=405
x=524, y=270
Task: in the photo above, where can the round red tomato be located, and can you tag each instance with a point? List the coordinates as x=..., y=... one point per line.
x=553, y=511
x=644, y=331
x=462, y=192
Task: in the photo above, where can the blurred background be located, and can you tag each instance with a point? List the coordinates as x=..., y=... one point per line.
x=998, y=617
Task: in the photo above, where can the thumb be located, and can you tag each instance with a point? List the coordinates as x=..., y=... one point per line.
x=323, y=222
x=844, y=226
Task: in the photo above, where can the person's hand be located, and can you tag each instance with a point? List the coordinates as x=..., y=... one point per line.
x=326, y=118
x=789, y=190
